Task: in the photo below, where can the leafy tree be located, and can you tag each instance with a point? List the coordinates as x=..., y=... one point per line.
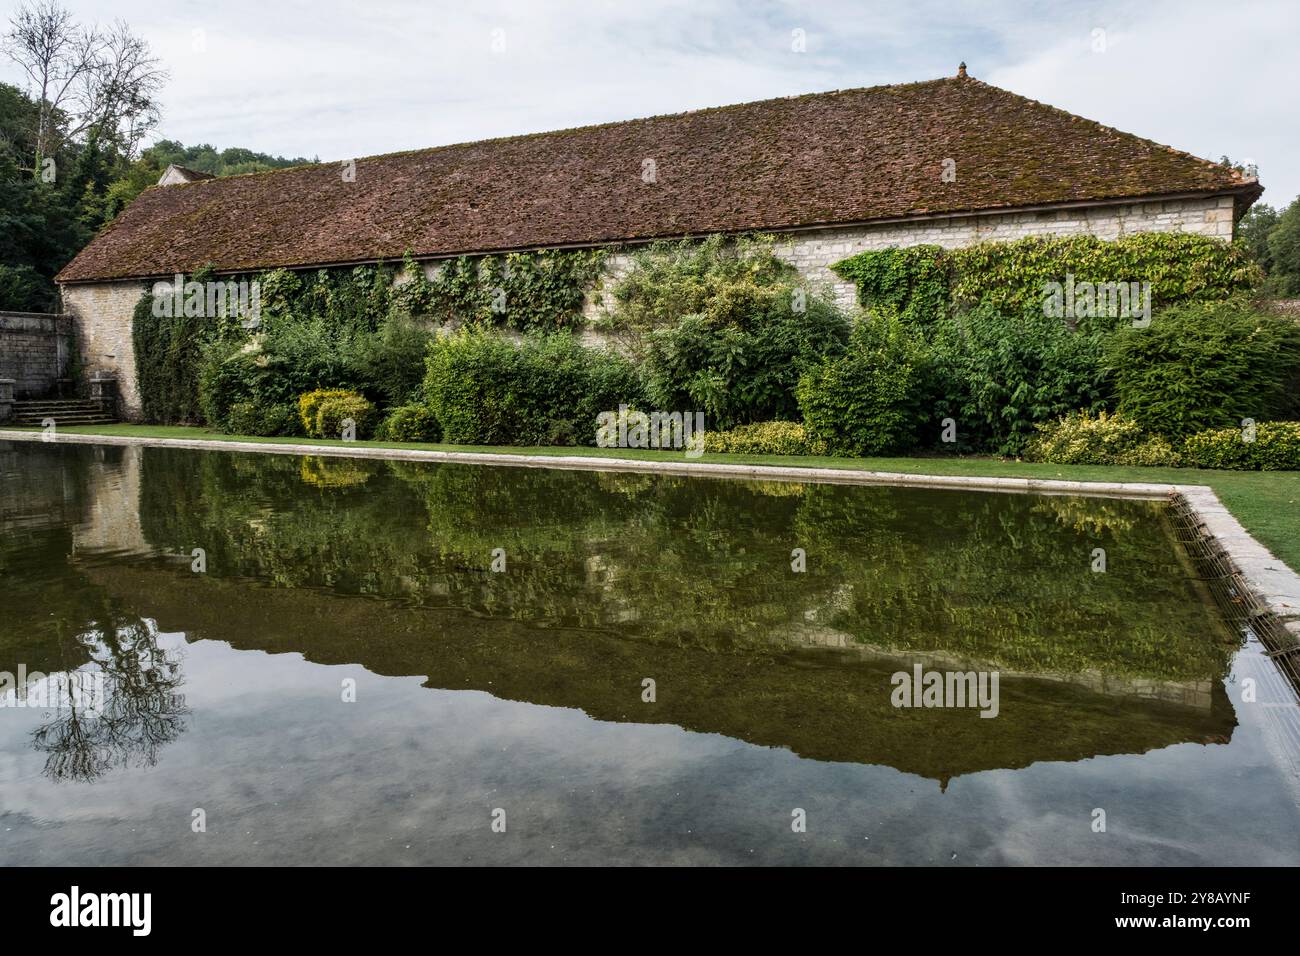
x=1253, y=230
x=85, y=79
x=1284, y=251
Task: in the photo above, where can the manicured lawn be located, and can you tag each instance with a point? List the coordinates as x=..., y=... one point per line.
x=1266, y=502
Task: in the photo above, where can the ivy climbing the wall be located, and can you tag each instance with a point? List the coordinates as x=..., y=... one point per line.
x=922, y=282
x=365, y=328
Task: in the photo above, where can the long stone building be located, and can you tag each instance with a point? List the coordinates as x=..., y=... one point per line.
x=949, y=161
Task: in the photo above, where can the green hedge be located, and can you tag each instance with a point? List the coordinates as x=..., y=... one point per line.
x=414, y=422
x=250, y=418
x=545, y=390
x=335, y=411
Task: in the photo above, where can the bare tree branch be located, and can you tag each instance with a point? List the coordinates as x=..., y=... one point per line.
x=85, y=79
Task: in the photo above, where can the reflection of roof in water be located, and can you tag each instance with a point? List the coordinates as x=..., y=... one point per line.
x=821, y=707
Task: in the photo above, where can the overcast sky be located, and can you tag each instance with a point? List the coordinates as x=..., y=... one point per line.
x=340, y=79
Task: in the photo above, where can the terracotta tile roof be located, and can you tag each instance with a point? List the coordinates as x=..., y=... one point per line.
x=824, y=158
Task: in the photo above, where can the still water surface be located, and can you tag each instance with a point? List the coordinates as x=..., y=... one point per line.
x=229, y=688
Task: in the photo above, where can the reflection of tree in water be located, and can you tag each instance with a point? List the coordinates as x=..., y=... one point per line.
x=141, y=711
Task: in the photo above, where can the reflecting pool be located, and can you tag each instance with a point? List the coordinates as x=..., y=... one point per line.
x=309, y=660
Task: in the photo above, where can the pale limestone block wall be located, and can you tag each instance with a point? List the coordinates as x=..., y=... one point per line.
x=103, y=313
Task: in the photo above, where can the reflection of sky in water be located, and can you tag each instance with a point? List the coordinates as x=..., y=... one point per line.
x=289, y=773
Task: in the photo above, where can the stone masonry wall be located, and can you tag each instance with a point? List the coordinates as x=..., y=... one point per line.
x=34, y=351
x=813, y=252
x=103, y=311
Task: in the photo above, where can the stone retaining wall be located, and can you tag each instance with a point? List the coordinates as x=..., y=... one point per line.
x=35, y=351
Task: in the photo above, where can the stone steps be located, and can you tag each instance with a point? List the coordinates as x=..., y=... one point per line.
x=64, y=411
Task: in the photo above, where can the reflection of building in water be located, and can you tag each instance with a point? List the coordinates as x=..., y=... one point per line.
x=110, y=520
x=1188, y=693
x=820, y=706
x=384, y=575
x=36, y=491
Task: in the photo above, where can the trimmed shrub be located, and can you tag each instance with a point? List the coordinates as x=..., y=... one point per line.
x=413, y=422
x=309, y=404
x=1104, y=439
x=867, y=401
x=1276, y=447
x=999, y=376
x=764, y=438
x=250, y=418
x=544, y=390
x=334, y=411
x=1207, y=366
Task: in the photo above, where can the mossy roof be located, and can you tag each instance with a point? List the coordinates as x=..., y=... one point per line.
x=821, y=159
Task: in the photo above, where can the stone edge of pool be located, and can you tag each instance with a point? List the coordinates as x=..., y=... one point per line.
x=1272, y=580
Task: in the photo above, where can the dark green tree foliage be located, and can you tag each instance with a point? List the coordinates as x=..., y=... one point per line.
x=998, y=375
x=41, y=223
x=1253, y=231
x=1207, y=366
x=234, y=161
x=869, y=400
x=45, y=222
x=1284, y=253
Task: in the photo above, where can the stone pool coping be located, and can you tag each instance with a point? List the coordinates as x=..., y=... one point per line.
x=1275, y=583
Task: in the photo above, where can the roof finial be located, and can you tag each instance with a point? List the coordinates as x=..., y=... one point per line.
x=961, y=70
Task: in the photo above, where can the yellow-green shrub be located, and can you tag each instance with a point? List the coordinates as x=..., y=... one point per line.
x=764, y=438
x=309, y=406
x=333, y=412
x=1103, y=439
x=1276, y=447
